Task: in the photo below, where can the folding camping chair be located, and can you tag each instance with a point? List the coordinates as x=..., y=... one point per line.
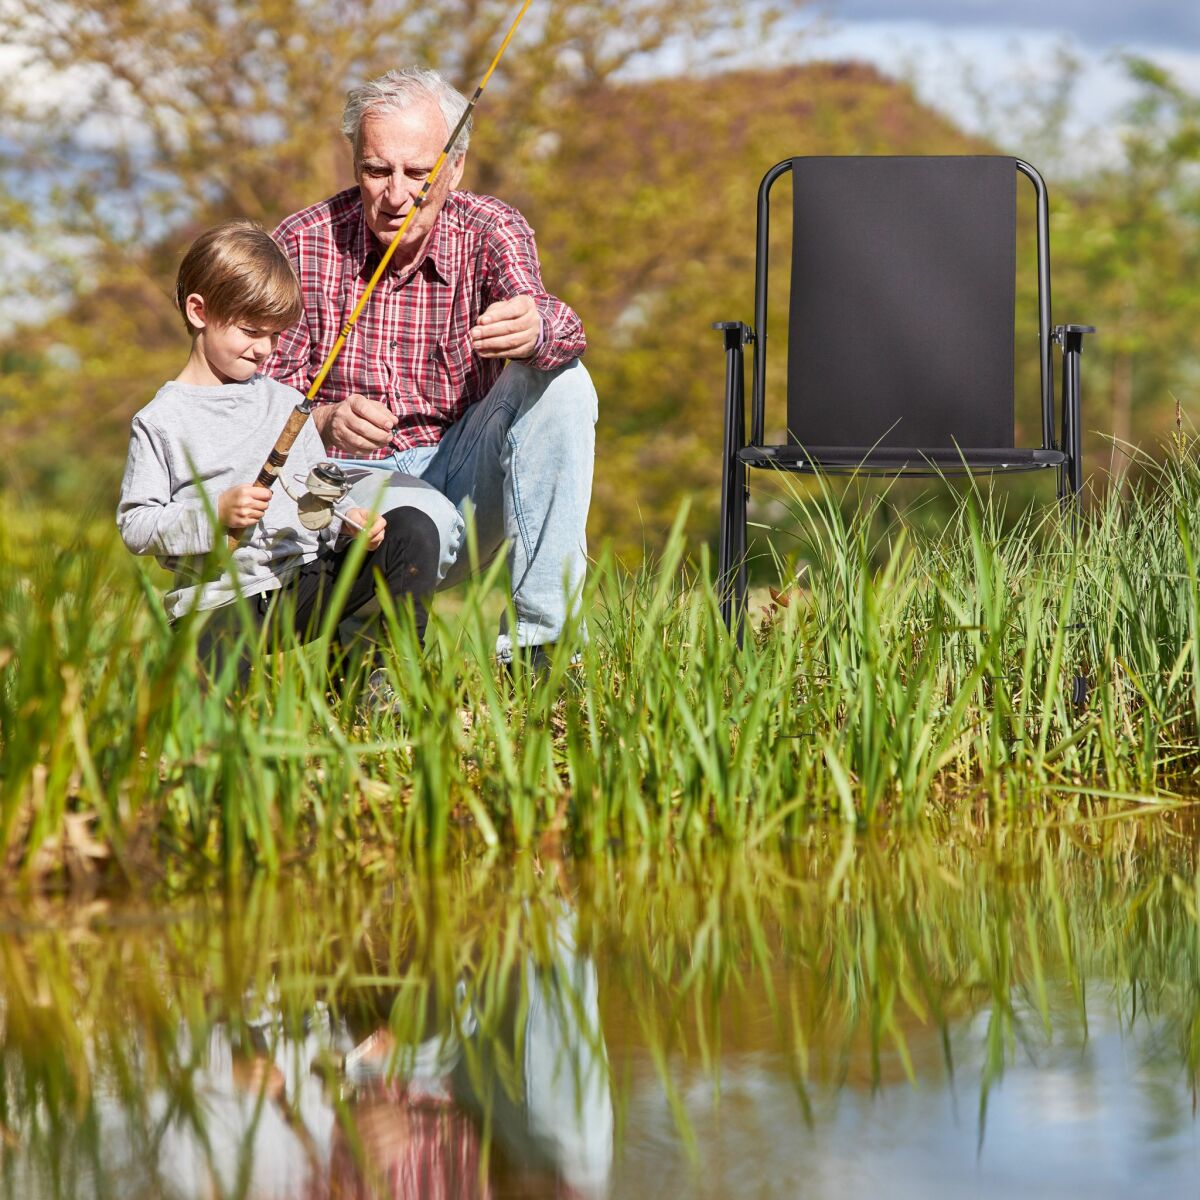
x=901, y=334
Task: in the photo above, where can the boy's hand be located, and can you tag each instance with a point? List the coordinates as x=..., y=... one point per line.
x=356, y=425
x=242, y=506
x=374, y=528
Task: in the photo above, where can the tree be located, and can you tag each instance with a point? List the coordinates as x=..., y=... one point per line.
x=131, y=125
x=1128, y=236
x=129, y=122
x=152, y=121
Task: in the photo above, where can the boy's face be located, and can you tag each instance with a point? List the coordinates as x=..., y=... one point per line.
x=235, y=351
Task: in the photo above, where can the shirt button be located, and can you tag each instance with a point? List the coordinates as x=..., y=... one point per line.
x=394, y=343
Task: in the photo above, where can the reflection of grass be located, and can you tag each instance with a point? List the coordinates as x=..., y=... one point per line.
x=910, y=671
x=842, y=962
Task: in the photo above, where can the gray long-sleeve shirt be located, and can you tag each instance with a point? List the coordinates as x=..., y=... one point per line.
x=192, y=442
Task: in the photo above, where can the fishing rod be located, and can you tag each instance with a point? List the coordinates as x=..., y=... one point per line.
x=300, y=414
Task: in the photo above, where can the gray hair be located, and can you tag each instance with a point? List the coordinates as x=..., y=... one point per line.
x=399, y=90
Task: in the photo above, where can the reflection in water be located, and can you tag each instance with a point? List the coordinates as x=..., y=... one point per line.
x=536, y=1080
x=986, y=1014
x=341, y=1105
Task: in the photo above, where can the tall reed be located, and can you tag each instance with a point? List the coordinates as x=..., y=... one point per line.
x=905, y=673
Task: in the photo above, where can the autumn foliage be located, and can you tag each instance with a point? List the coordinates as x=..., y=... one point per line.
x=133, y=125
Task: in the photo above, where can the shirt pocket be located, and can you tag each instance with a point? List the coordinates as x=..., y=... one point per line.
x=449, y=363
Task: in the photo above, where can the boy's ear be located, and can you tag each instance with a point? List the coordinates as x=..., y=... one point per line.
x=193, y=307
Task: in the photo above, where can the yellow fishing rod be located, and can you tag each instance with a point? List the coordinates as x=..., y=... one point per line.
x=291, y=430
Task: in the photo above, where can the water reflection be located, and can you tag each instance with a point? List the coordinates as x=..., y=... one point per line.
x=973, y=1013
x=371, y=1082
x=528, y=1073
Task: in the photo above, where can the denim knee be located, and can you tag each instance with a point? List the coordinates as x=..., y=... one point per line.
x=390, y=491
x=560, y=404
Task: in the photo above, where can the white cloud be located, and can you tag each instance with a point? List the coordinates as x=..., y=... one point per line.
x=999, y=81
x=1098, y=23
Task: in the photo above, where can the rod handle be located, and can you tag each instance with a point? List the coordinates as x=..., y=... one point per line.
x=275, y=460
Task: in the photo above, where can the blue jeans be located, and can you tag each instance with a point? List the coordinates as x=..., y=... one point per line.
x=520, y=464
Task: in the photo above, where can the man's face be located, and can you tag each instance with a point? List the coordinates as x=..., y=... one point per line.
x=397, y=152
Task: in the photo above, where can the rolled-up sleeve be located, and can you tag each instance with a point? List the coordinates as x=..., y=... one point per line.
x=150, y=522
x=513, y=270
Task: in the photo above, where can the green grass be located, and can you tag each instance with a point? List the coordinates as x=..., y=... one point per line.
x=911, y=672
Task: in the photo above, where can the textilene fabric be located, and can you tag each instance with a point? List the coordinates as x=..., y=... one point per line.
x=902, y=301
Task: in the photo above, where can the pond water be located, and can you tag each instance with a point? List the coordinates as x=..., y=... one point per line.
x=971, y=1013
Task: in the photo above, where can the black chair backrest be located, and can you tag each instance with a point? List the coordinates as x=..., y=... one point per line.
x=902, y=302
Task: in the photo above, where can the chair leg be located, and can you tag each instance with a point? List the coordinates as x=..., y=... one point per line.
x=731, y=561
x=1072, y=358
x=726, y=555
x=1070, y=491
x=740, y=497
x=732, y=550
x=1066, y=473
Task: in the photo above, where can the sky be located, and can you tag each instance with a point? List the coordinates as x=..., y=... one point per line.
x=955, y=51
x=1100, y=23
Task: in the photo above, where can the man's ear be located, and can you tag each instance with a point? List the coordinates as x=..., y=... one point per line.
x=456, y=172
x=193, y=307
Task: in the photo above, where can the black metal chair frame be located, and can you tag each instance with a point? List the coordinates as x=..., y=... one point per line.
x=1062, y=452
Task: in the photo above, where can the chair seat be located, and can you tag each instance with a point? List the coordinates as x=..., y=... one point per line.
x=887, y=460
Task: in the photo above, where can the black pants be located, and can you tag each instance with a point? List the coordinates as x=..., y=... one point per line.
x=407, y=559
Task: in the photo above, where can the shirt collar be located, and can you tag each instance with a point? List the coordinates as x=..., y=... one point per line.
x=439, y=246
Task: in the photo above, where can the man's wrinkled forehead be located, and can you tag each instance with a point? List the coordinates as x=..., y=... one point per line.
x=385, y=130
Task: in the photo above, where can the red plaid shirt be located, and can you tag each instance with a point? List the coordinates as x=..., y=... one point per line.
x=411, y=349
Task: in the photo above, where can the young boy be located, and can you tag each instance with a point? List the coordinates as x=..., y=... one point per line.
x=209, y=430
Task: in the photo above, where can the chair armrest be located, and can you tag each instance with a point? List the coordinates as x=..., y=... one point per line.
x=737, y=333
x=1070, y=337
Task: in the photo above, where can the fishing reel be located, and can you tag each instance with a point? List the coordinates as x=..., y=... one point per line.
x=325, y=486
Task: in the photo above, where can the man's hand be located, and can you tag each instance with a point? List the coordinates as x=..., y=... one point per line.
x=242, y=506
x=355, y=425
x=374, y=528
x=507, y=329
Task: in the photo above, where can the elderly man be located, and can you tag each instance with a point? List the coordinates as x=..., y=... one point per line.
x=421, y=387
